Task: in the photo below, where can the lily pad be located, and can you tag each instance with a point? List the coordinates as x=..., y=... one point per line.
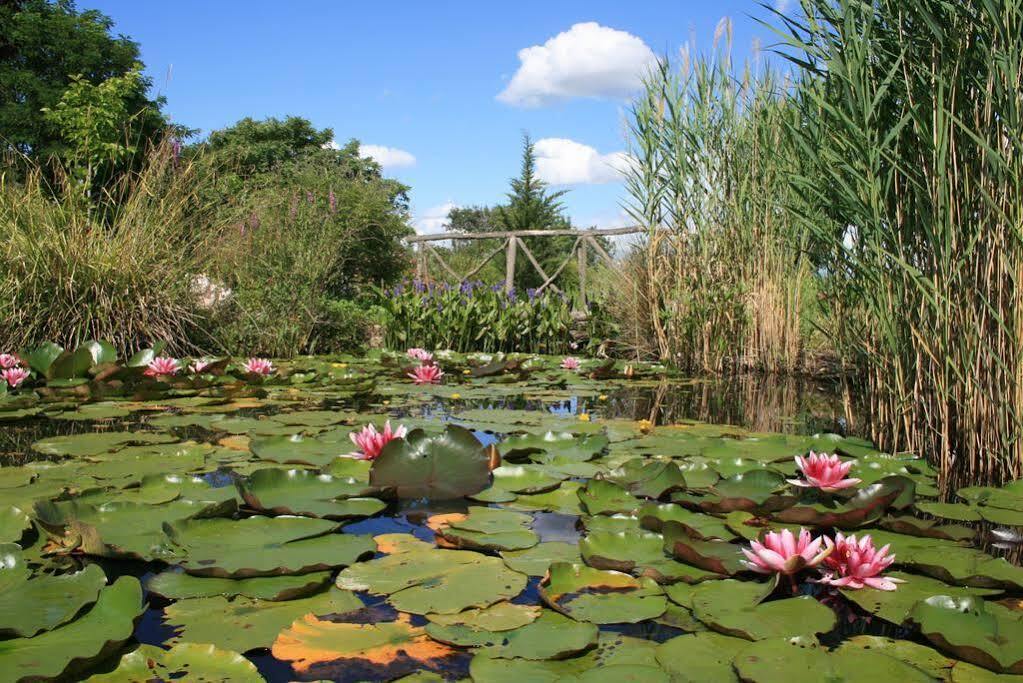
x=90, y=638
x=264, y=546
x=186, y=661
x=536, y=560
x=986, y=634
x=42, y=603
x=178, y=585
x=435, y=581
x=648, y=478
x=489, y=529
x=601, y=597
x=301, y=492
x=607, y=498
x=450, y=465
x=245, y=624
x=895, y=606
x=698, y=657
x=297, y=449
x=782, y=660
x=501, y=616
x=738, y=608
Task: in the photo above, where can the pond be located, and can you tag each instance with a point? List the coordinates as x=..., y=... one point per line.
x=534, y=523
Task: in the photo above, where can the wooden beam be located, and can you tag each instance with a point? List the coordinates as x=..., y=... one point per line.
x=581, y=254
x=536, y=264
x=437, y=237
x=559, y=269
x=443, y=263
x=509, y=265
x=479, y=266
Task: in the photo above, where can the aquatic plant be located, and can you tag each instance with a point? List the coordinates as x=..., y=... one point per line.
x=370, y=442
x=855, y=564
x=426, y=374
x=14, y=376
x=198, y=365
x=259, y=366
x=570, y=363
x=781, y=552
x=824, y=472
x=421, y=355
x=8, y=361
x=162, y=366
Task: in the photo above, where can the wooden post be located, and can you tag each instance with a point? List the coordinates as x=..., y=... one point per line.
x=581, y=255
x=509, y=266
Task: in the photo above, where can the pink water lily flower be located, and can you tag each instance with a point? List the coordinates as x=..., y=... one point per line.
x=783, y=553
x=162, y=365
x=14, y=376
x=421, y=355
x=426, y=374
x=855, y=564
x=570, y=363
x=824, y=472
x=259, y=366
x=370, y=442
x=198, y=365
x=8, y=361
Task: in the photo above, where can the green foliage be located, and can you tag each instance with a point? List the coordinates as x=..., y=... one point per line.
x=475, y=317
x=911, y=130
x=123, y=273
x=313, y=225
x=47, y=47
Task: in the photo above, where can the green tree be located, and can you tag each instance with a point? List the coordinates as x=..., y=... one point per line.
x=532, y=206
x=47, y=47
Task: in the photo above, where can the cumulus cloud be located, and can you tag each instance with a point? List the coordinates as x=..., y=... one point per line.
x=782, y=5
x=388, y=157
x=560, y=161
x=588, y=60
x=433, y=219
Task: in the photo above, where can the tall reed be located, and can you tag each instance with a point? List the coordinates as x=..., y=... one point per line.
x=725, y=278
x=119, y=269
x=912, y=123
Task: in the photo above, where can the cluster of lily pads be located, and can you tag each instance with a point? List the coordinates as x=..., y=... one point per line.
x=351, y=524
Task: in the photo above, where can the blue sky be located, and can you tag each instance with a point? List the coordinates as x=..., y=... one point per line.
x=425, y=79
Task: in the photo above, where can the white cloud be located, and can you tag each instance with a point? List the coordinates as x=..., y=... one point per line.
x=782, y=5
x=560, y=161
x=388, y=157
x=433, y=219
x=588, y=60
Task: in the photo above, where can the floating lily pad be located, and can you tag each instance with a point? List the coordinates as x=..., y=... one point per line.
x=985, y=634
x=451, y=465
x=185, y=661
x=244, y=624
x=525, y=479
x=90, y=638
x=94, y=443
x=782, y=660
x=536, y=560
x=301, y=492
x=719, y=557
x=601, y=597
x=704, y=656
x=759, y=491
x=31, y=605
x=489, y=529
x=895, y=606
x=648, y=478
x=697, y=524
x=13, y=523
x=316, y=646
x=640, y=553
x=607, y=498
x=501, y=616
x=435, y=581
x=264, y=546
x=178, y=585
x=297, y=449
x=738, y=608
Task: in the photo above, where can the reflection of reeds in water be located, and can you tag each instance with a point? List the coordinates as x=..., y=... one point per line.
x=765, y=403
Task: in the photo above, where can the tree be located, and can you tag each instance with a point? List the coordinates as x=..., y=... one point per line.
x=47, y=47
x=531, y=206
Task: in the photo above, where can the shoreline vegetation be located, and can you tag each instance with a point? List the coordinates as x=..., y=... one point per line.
x=855, y=213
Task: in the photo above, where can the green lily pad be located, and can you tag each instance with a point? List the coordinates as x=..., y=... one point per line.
x=301, y=492
x=451, y=465
x=197, y=662
x=986, y=634
x=782, y=660
x=607, y=498
x=94, y=443
x=895, y=606
x=718, y=557
x=564, y=446
x=759, y=491
x=245, y=624
x=42, y=603
x=75, y=645
x=13, y=523
x=536, y=560
x=697, y=657
x=435, y=581
x=525, y=479
x=601, y=597
x=264, y=546
x=177, y=585
x=697, y=524
x=551, y=636
x=501, y=616
x=927, y=659
x=640, y=553
x=297, y=449
x=490, y=529
x=737, y=608
x=647, y=478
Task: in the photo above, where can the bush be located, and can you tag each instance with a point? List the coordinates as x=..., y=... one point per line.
x=74, y=269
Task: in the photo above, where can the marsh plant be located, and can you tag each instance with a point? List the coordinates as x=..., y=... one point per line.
x=912, y=117
x=721, y=281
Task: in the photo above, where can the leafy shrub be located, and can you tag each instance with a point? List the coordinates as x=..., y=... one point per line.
x=476, y=317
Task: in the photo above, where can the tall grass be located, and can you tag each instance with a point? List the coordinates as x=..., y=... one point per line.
x=76, y=269
x=724, y=280
x=911, y=138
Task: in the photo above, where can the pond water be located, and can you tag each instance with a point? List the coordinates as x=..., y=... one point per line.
x=213, y=529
